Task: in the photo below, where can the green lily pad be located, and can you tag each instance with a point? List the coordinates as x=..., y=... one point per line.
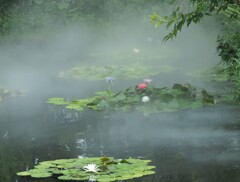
x=180, y=96
x=41, y=175
x=57, y=101
x=24, y=173
x=74, y=107
x=128, y=72
x=6, y=93
x=80, y=169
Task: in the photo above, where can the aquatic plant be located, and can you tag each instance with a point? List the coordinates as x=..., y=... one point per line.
x=147, y=80
x=142, y=86
x=145, y=99
x=180, y=96
x=6, y=93
x=91, y=168
x=103, y=169
x=109, y=79
x=57, y=101
x=116, y=71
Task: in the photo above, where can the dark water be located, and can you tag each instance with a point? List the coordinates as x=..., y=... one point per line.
x=200, y=145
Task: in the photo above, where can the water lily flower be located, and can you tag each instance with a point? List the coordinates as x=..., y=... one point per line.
x=145, y=99
x=109, y=79
x=142, y=86
x=91, y=168
x=147, y=80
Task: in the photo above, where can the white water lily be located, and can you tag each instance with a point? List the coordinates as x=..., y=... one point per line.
x=91, y=168
x=147, y=80
x=145, y=99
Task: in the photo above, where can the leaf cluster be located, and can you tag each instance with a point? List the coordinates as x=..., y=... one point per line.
x=228, y=49
x=197, y=10
x=33, y=18
x=110, y=169
x=180, y=96
x=6, y=93
x=120, y=72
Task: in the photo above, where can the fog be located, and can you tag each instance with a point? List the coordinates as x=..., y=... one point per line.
x=33, y=65
x=30, y=60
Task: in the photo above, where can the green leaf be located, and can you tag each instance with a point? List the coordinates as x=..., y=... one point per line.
x=170, y=23
x=75, y=107
x=24, y=173
x=57, y=101
x=180, y=96
x=116, y=169
x=41, y=175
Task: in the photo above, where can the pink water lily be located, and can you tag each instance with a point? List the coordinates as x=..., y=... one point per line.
x=142, y=86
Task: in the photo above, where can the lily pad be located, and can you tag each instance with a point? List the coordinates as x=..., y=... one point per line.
x=6, y=93
x=24, y=173
x=57, y=101
x=91, y=168
x=128, y=72
x=180, y=96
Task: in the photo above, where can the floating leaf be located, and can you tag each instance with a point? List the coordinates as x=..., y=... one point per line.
x=180, y=96
x=74, y=107
x=57, y=101
x=41, y=175
x=6, y=93
x=128, y=72
x=24, y=173
x=72, y=169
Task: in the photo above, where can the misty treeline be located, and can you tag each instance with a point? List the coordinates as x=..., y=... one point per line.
x=24, y=17
x=226, y=13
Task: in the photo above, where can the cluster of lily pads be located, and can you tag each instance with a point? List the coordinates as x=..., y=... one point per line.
x=121, y=72
x=6, y=93
x=142, y=97
x=103, y=169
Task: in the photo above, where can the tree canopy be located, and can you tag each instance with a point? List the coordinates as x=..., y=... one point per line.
x=193, y=11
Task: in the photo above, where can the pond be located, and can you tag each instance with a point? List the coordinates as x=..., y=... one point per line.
x=191, y=145
x=194, y=145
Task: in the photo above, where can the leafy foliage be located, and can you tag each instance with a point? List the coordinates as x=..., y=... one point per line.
x=24, y=18
x=228, y=43
x=183, y=15
x=180, y=96
x=110, y=169
x=228, y=50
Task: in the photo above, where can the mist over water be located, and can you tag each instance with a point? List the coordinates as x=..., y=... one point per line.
x=176, y=142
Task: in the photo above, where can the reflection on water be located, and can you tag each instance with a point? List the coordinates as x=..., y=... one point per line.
x=190, y=146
